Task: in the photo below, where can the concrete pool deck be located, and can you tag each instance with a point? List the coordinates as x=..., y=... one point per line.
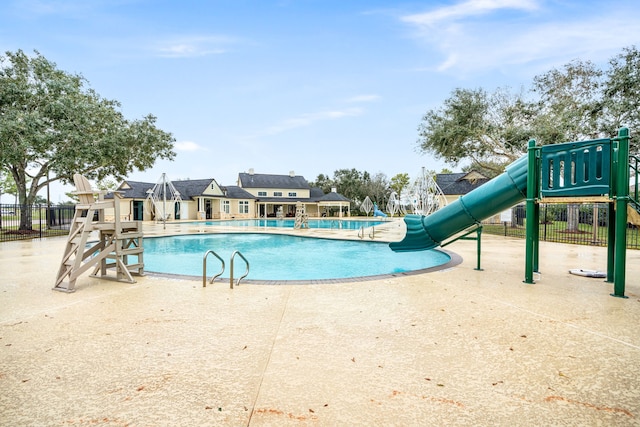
x=453, y=347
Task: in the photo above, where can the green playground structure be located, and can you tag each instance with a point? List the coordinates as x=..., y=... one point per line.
x=572, y=172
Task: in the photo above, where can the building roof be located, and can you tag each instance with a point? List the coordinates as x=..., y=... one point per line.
x=453, y=184
x=261, y=180
x=190, y=189
x=333, y=197
x=235, y=192
x=134, y=189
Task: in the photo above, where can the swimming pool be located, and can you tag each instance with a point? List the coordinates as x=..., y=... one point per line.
x=342, y=224
x=284, y=257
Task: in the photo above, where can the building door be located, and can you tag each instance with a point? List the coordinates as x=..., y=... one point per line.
x=176, y=211
x=138, y=210
x=207, y=208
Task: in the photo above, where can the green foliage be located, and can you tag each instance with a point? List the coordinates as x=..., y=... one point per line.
x=7, y=184
x=52, y=127
x=571, y=103
x=399, y=182
x=355, y=185
x=621, y=96
x=488, y=129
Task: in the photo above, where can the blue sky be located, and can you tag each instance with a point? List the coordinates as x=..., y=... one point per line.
x=306, y=85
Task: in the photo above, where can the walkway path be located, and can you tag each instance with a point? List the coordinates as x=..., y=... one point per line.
x=455, y=347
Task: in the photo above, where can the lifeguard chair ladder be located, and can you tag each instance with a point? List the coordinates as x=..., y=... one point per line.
x=119, y=242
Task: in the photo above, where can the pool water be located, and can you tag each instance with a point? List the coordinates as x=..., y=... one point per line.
x=283, y=257
x=342, y=224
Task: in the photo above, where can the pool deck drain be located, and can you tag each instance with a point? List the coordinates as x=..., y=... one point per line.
x=452, y=347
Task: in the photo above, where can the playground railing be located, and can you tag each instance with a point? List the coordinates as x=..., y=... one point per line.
x=576, y=168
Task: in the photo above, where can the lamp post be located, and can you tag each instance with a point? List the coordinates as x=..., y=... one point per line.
x=164, y=201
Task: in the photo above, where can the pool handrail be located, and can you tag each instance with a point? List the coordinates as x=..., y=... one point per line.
x=204, y=268
x=233, y=255
x=372, y=233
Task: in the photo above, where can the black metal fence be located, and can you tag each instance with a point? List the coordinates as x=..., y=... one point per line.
x=19, y=222
x=582, y=224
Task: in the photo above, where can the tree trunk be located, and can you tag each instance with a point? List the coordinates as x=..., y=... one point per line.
x=573, y=217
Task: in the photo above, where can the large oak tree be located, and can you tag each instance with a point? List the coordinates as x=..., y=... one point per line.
x=53, y=126
x=573, y=102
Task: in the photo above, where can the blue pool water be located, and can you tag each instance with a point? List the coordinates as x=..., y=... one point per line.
x=283, y=257
x=342, y=224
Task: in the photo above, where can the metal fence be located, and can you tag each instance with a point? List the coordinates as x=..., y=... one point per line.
x=555, y=219
x=19, y=222
x=582, y=224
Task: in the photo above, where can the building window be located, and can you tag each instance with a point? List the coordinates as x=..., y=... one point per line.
x=262, y=194
x=243, y=206
x=225, y=206
x=277, y=194
x=293, y=194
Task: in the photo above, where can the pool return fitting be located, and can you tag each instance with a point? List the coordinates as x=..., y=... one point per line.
x=204, y=268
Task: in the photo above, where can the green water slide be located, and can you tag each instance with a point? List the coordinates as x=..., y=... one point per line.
x=497, y=195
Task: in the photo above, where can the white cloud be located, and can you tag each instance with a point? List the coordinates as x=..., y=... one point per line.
x=363, y=98
x=193, y=46
x=471, y=43
x=188, y=146
x=311, y=118
x=468, y=8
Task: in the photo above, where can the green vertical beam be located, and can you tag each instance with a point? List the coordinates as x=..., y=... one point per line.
x=611, y=240
x=533, y=214
x=611, y=229
x=621, y=201
x=479, y=244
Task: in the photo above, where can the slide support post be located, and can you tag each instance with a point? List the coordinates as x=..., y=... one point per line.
x=621, y=201
x=532, y=214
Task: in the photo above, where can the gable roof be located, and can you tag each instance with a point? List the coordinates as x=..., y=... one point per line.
x=192, y=188
x=453, y=184
x=333, y=197
x=134, y=189
x=261, y=180
x=235, y=192
x=188, y=188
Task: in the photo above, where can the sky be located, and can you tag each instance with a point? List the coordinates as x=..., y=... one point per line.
x=310, y=86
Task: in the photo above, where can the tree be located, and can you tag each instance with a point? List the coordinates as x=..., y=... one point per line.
x=7, y=184
x=621, y=95
x=349, y=183
x=377, y=188
x=323, y=182
x=52, y=127
x=569, y=105
x=490, y=130
x=399, y=182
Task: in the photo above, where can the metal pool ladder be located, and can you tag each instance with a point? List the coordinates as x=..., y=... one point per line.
x=233, y=255
x=204, y=268
x=372, y=233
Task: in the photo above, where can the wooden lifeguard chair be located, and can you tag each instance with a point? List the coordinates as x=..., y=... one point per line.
x=119, y=243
